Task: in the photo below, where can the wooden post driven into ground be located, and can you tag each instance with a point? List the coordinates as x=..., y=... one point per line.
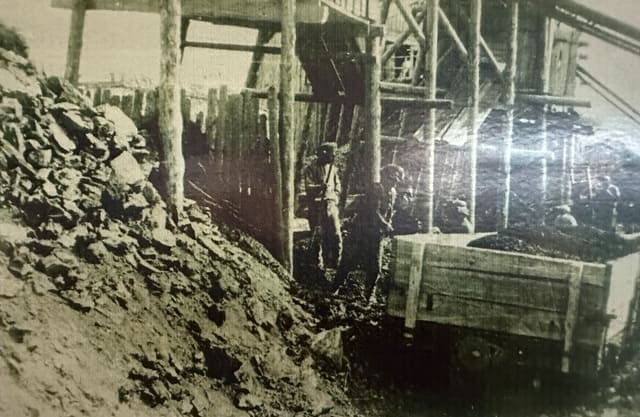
x=509, y=100
x=74, y=47
x=273, y=108
x=474, y=84
x=169, y=100
x=287, y=91
x=372, y=109
x=544, y=86
x=425, y=194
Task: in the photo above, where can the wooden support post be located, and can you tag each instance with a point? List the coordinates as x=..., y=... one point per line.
x=572, y=165
x=287, y=90
x=354, y=147
x=185, y=106
x=571, y=319
x=509, y=101
x=212, y=113
x=127, y=105
x=106, y=96
x=170, y=117
x=272, y=104
x=305, y=138
x=426, y=188
x=474, y=78
x=74, y=46
x=115, y=101
x=151, y=104
x=97, y=97
x=564, y=197
x=372, y=110
x=345, y=123
x=138, y=102
x=419, y=68
x=544, y=70
x=221, y=134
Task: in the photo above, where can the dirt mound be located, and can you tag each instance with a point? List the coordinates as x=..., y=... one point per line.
x=582, y=243
x=107, y=306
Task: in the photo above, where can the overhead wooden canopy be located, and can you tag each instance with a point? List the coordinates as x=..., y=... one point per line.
x=251, y=13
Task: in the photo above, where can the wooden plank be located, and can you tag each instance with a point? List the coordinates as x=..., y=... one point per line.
x=414, y=287
x=74, y=45
x=221, y=133
x=479, y=315
x=127, y=105
x=509, y=264
x=97, y=97
x=138, y=102
x=151, y=103
x=256, y=11
x=272, y=104
x=233, y=47
x=571, y=318
x=552, y=100
x=453, y=34
x=212, y=114
x=170, y=119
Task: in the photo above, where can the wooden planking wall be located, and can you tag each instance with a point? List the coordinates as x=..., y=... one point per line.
x=500, y=291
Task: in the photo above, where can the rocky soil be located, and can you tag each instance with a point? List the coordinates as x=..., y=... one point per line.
x=107, y=306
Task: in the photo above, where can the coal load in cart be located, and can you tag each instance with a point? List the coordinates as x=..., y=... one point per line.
x=498, y=308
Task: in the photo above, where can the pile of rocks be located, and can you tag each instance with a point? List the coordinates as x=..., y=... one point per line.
x=78, y=177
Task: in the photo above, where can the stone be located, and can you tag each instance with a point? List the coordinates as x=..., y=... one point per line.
x=41, y=284
x=39, y=158
x=246, y=401
x=123, y=125
x=126, y=169
x=11, y=235
x=11, y=82
x=49, y=189
x=328, y=345
x=60, y=138
x=98, y=147
x=96, y=252
x=59, y=263
x=216, y=250
x=9, y=287
x=12, y=106
x=134, y=204
x=75, y=124
x=163, y=239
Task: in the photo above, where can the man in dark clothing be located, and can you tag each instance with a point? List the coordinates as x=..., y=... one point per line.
x=605, y=204
x=370, y=224
x=322, y=185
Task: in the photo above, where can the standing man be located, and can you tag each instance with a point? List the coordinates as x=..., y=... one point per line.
x=370, y=224
x=322, y=185
x=606, y=200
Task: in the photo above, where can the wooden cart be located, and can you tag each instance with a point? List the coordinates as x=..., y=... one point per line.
x=500, y=306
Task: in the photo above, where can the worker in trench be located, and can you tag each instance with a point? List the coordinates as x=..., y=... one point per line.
x=322, y=185
x=367, y=228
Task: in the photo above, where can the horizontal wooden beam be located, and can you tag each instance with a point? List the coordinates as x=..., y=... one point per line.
x=233, y=47
x=256, y=11
x=400, y=101
x=408, y=89
x=552, y=100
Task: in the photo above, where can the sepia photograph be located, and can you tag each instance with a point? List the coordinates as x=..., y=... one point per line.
x=304, y=208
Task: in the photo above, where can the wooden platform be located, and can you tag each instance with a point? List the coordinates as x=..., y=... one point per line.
x=248, y=13
x=437, y=279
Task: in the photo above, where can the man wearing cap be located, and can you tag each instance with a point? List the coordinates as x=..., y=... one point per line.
x=370, y=224
x=606, y=200
x=564, y=219
x=322, y=185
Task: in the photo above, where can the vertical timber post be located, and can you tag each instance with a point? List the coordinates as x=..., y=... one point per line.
x=544, y=86
x=474, y=78
x=429, y=132
x=287, y=90
x=74, y=47
x=372, y=109
x=170, y=116
x=509, y=99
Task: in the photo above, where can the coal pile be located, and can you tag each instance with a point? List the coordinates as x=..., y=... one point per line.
x=583, y=243
x=205, y=320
